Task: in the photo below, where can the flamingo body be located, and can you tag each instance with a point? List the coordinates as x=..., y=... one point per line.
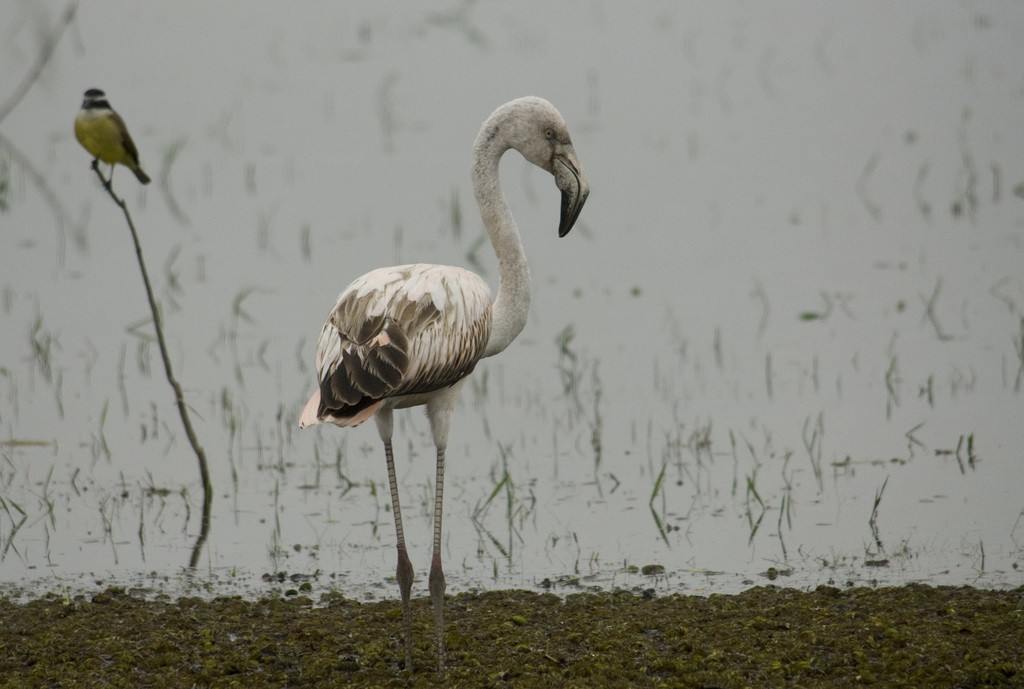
x=396, y=336
x=409, y=335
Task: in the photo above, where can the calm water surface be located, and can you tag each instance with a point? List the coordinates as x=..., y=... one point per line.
x=787, y=333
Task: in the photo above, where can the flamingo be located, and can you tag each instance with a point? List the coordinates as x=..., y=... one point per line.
x=409, y=335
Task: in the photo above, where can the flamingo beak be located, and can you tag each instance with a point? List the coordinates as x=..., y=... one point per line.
x=571, y=180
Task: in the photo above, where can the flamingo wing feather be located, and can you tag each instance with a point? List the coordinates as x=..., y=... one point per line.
x=406, y=330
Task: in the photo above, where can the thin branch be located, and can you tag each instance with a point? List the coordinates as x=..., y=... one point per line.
x=179, y=396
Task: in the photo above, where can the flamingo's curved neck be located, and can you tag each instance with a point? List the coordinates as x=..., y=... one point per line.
x=512, y=304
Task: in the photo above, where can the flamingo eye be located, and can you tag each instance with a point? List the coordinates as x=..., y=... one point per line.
x=549, y=134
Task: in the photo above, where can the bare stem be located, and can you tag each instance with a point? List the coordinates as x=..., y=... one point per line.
x=179, y=396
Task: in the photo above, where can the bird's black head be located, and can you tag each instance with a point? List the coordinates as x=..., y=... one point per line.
x=95, y=98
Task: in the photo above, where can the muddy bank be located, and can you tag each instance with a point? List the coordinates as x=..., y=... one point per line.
x=909, y=636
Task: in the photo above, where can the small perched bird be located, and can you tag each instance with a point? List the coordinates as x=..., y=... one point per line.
x=102, y=132
x=409, y=335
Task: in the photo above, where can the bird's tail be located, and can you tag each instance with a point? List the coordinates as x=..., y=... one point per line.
x=310, y=415
x=309, y=412
x=143, y=177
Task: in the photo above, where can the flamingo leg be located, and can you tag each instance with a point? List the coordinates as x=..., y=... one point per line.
x=404, y=571
x=436, y=581
x=439, y=413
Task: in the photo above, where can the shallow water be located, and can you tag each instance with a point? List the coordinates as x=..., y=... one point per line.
x=787, y=333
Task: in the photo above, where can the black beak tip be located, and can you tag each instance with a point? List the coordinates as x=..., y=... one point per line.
x=570, y=212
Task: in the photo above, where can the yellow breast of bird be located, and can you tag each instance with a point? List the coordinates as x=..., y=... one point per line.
x=101, y=137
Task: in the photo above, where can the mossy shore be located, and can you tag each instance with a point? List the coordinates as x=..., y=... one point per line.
x=911, y=636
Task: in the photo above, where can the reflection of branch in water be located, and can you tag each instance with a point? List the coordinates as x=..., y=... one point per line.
x=873, y=519
x=170, y=156
x=49, y=44
x=52, y=200
x=459, y=20
x=45, y=52
x=204, y=531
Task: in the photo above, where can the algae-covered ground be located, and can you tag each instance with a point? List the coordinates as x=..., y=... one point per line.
x=913, y=636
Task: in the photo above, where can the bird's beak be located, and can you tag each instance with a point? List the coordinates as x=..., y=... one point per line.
x=572, y=182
